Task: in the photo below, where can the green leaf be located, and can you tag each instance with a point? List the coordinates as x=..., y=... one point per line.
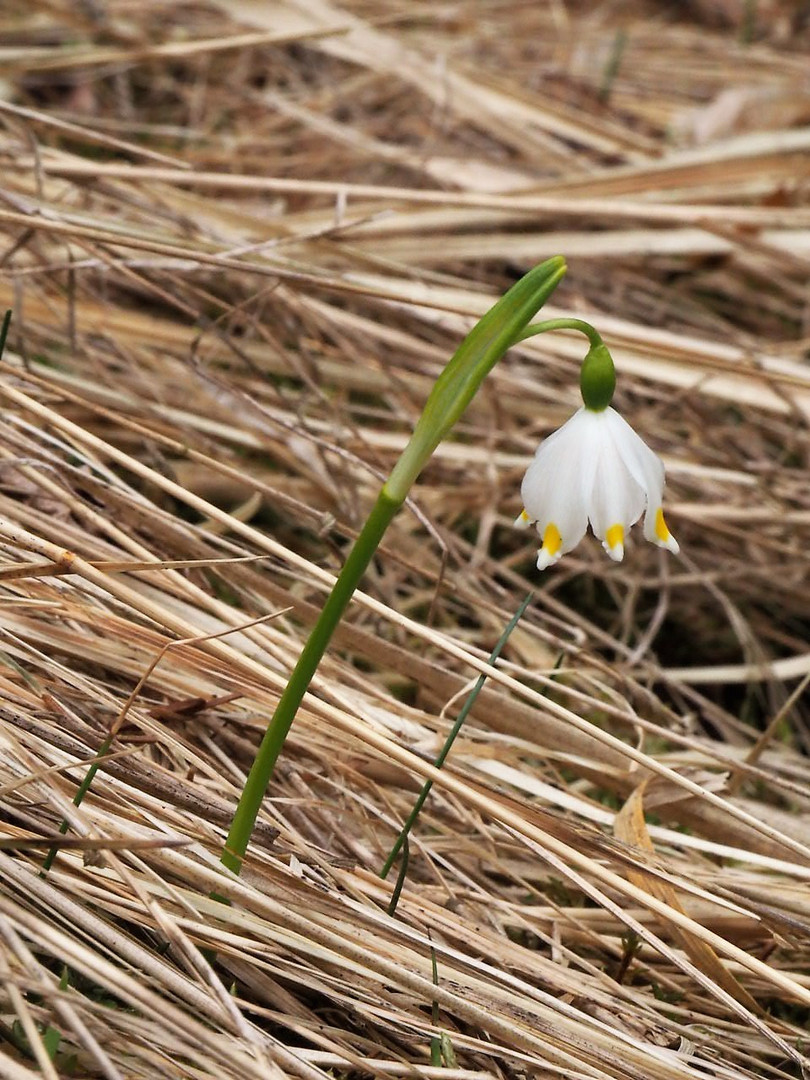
x=482, y=348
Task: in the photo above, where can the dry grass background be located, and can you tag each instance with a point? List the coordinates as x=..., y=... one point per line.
x=240, y=240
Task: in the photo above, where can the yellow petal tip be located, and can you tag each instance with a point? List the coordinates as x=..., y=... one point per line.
x=614, y=542
x=662, y=533
x=552, y=541
x=614, y=537
x=551, y=550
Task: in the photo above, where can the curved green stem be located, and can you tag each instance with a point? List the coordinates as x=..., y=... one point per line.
x=597, y=375
x=561, y=324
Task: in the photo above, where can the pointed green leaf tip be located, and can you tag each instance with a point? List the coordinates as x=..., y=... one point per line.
x=482, y=348
x=597, y=378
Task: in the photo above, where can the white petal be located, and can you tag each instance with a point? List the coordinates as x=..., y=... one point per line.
x=645, y=467
x=544, y=559
x=552, y=487
x=615, y=551
x=617, y=499
x=648, y=469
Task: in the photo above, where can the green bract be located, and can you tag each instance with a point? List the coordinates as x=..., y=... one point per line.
x=501, y=327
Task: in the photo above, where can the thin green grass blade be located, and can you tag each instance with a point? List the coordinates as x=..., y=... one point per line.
x=445, y=750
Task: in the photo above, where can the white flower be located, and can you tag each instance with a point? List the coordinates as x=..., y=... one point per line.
x=594, y=468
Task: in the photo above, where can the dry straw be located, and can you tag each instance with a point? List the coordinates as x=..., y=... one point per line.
x=240, y=242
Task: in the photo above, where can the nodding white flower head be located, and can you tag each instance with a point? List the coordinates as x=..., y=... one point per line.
x=595, y=469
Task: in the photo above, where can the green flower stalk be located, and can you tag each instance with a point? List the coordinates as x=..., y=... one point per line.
x=506, y=323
